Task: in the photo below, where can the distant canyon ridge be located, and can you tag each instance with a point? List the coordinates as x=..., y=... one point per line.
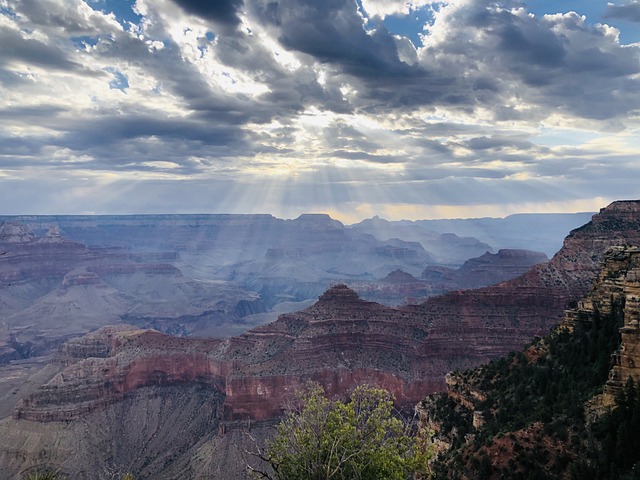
x=219, y=275
x=141, y=390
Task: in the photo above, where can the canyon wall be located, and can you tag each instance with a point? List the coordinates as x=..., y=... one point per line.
x=340, y=341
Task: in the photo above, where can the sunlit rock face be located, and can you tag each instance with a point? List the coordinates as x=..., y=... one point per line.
x=340, y=341
x=101, y=368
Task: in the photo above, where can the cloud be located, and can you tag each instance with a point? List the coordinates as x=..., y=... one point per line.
x=72, y=17
x=220, y=11
x=19, y=51
x=382, y=8
x=556, y=62
x=332, y=32
x=630, y=11
x=315, y=104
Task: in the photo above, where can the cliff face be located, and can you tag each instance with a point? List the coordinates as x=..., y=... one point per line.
x=52, y=289
x=341, y=341
x=489, y=269
x=99, y=369
x=513, y=312
x=401, y=288
x=616, y=293
x=543, y=396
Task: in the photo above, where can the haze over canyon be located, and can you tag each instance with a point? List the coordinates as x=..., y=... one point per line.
x=190, y=299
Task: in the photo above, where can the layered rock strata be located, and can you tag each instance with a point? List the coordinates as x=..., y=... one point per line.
x=52, y=289
x=340, y=341
x=532, y=304
x=401, y=288
x=482, y=396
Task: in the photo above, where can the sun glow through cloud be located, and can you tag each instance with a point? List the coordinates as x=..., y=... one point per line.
x=403, y=109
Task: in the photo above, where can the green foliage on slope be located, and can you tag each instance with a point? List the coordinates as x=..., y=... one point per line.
x=617, y=433
x=321, y=439
x=532, y=407
x=553, y=387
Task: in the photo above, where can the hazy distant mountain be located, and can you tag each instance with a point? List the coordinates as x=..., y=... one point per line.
x=206, y=274
x=401, y=288
x=538, y=232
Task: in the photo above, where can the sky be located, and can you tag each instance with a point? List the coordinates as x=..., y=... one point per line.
x=424, y=109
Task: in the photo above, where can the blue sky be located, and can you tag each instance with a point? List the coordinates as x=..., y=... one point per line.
x=354, y=108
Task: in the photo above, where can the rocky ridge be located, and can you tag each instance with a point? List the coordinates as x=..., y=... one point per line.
x=340, y=341
x=616, y=293
x=401, y=288
x=533, y=303
x=588, y=330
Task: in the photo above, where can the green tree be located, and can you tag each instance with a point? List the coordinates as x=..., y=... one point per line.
x=320, y=439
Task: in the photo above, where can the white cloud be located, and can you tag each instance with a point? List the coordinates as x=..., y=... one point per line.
x=301, y=97
x=382, y=8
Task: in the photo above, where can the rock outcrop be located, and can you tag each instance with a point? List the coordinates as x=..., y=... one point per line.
x=616, y=294
x=511, y=313
x=492, y=268
x=401, y=288
x=513, y=409
x=340, y=341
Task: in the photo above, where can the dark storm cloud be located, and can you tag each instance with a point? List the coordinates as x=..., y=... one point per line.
x=557, y=62
x=14, y=150
x=530, y=46
x=16, y=48
x=498, y=143
x=231, y=102
x=332, y=32
x=630, y=12
x=184, y=80
x=127, y=142
x=219, y=11
x=125, y=127
x=29, y=113
x=487, y=55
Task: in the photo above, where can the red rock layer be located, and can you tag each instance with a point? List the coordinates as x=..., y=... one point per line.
x=342, y=341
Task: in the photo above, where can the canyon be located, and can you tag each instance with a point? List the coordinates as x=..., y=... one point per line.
x=541, y=411
x=197, y=275
x=76, y=416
